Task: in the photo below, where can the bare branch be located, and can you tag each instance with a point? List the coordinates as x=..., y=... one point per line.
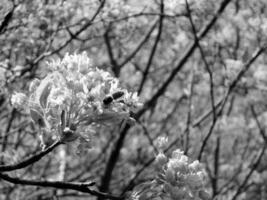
x=139, y=46
x=116, y=151
x=189, y=115
x=7, y=19
x=253, y=168
x=29, y=160
x=184, y=58
x=81, y=187
x=115, y=66
x=154, y=48
x=76, y=34
x=229, y=91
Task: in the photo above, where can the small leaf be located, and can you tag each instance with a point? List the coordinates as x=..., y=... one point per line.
x=68, y=135
x=44, y=95
x=63, y=119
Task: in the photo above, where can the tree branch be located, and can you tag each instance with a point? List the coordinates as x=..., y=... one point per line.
x=115, y=153
x=29, y=160
x=229, y=91
x=253, y=168
x=154, y=48
x=143, y=41
x=184, y=58
x=115, y=66
x=76, y=34
x=81, y=187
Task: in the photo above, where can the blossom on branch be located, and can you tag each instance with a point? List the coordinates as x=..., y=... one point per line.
x=180, y=178
x=75, y=96
x=177, y=178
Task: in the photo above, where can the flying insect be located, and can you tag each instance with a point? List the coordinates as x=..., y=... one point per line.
x=110, y=98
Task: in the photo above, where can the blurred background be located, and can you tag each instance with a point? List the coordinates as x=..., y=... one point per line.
x=199, y=68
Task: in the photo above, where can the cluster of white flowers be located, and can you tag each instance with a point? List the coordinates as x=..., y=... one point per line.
x=180, y=178
x=75, y=96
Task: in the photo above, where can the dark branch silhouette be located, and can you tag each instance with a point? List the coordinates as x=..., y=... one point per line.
x=81, y=187
x=30, y=160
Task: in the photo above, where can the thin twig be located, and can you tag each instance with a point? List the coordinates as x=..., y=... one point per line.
x=154, y=48
x=77, y=33
x=189, y=112
x=139, y=46
x=253, y=168
x=204, y=60
x=115, y=66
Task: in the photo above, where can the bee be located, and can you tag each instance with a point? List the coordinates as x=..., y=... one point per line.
x=110, y=98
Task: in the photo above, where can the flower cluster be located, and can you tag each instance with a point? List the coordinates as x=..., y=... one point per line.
x=180, y=178
x=75, y=96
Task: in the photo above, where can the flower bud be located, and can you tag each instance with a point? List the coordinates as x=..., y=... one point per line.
x=84, y=64
x=19, y=100
x=162, y=142
x=195, y=166
x=68, y=135
x=177, y=166
x=161, y=159
x=177, y=154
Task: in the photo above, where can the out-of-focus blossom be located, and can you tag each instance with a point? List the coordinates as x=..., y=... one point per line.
x=180, y=178
x=161, y=143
